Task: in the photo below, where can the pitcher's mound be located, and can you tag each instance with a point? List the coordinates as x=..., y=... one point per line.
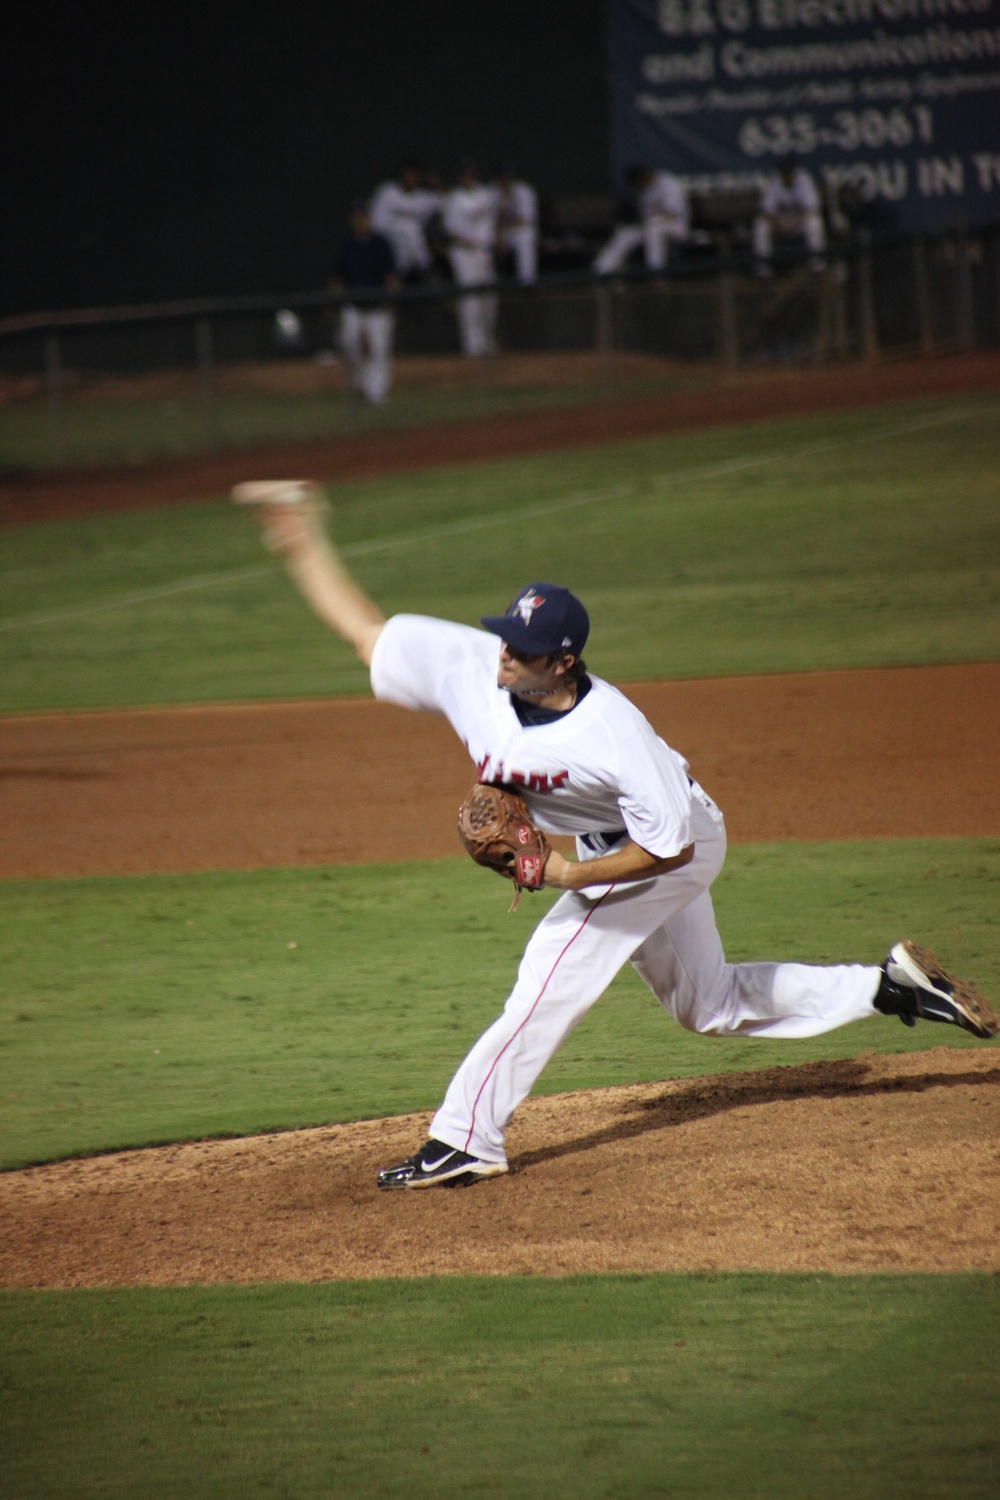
x=869, y=1164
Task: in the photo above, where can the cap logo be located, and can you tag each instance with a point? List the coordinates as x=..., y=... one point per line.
x=526, y=606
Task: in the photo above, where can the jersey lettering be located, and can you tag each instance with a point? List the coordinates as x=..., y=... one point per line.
x=532, y=781
x=538, y=781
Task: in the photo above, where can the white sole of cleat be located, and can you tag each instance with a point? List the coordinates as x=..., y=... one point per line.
x=462, y=1177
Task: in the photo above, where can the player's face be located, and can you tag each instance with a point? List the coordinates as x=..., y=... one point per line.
x=520, y=673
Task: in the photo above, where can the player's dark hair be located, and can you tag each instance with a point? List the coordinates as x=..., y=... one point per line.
x=576, y=673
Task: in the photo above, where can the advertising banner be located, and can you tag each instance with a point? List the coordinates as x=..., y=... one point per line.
x=899, y=98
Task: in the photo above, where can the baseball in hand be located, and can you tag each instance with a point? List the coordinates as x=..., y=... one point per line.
x=285, y=509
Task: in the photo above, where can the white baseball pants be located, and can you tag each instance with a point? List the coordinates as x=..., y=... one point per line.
x=812, y=230
x=522, y=241
x=366, y=339
x=666, y=926
x=409, y=245
x=477, y=316
x=654, y=235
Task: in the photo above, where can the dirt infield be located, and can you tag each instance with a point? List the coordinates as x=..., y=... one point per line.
x=802, y=756
x=869, y=1164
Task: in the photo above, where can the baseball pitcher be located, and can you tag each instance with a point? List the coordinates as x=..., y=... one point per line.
x=564, y=752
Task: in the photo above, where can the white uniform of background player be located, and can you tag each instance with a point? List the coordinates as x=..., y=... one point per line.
x=650, y=842
x=663, y=217
x=517, y=222
x=401, y=211
x=470, y=218
x=365, y=267
x=789, y=207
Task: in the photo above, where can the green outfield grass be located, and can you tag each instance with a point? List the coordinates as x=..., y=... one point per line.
x=158, y=1008
x=865, y=539
x=765, y=1387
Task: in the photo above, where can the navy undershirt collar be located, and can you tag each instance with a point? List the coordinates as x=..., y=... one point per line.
x=530, y=714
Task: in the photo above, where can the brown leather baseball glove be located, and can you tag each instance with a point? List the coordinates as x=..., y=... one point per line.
x=495, y=826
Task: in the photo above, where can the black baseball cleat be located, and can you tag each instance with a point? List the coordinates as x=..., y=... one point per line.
x=914, y=984
x=436, y=1164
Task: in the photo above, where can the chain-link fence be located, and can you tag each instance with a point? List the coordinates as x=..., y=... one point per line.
x=129, y=384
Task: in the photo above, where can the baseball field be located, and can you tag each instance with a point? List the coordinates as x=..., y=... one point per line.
x=242, y=954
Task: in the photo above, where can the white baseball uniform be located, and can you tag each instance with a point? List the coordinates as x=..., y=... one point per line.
x=517, y=226
x=470, y=217
x=663, y=216
x=401, y=214
x=797, y=205
x=601, y=773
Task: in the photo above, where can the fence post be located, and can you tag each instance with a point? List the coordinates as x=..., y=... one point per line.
x=482, y=382
x=604, y=326
x=206, y=374
x=840, y=341
x=57, y=409
x=922, y=295
x=728, y=337
x=869, y=323
x=964, y=309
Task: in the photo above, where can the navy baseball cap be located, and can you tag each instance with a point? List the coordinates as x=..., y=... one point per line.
x=540, y=619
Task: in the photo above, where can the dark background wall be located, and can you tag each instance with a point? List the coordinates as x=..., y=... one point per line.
x=175, y=151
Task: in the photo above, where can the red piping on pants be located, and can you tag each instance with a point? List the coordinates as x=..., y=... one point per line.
x=569, y=943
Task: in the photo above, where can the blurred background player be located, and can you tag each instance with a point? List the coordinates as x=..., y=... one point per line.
x=663, y=216
x=470, y=223
x=401, y=209
x=517, y=222
x=365, y=264
x=790, y=209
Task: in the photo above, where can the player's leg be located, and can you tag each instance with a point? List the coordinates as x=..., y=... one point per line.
x=618, y=249
x=684, y=965
x=485, y=306
x=463, y=265
x=814, y=233
x=524, y=241
x=762, y=236
x=408, y=246
x=572, y=956
x=656, y=239
x=352, y=343
x=477, y=313
x=378, y=369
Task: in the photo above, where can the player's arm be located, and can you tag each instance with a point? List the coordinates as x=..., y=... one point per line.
x=629, y=863
x=289, y=513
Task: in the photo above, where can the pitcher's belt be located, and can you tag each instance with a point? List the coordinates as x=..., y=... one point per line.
x=601, y=842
